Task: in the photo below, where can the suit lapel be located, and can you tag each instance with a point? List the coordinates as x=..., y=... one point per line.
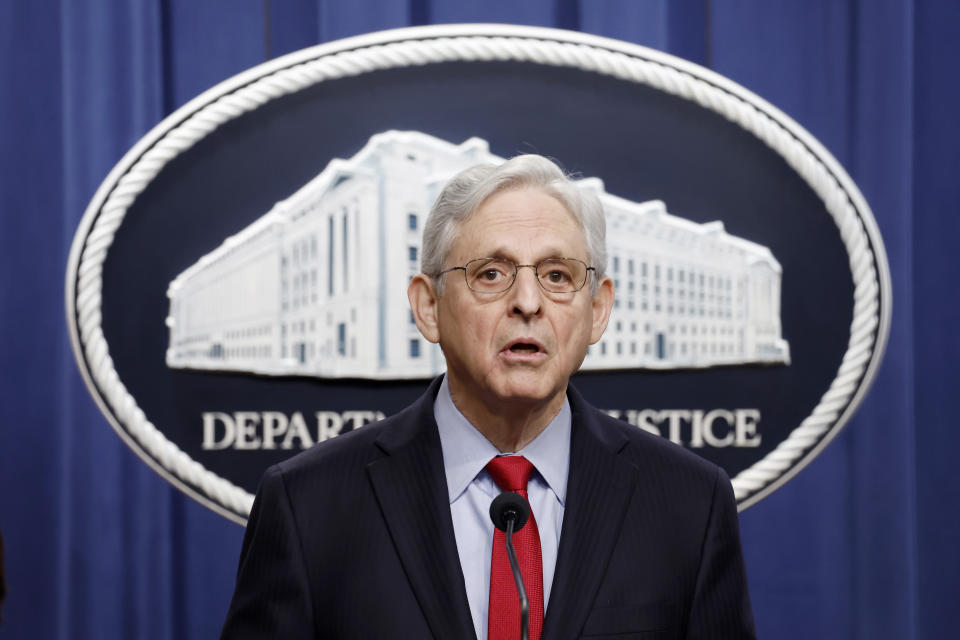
x=412, y=491
x=598, y=493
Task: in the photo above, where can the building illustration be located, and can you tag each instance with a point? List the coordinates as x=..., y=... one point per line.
x=317, y=285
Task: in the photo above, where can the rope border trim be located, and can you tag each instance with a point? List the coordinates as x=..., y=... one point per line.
x=465, y=43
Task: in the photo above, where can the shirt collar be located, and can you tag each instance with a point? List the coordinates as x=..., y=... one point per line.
x=466, y=451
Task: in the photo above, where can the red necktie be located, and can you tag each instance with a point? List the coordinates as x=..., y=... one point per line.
x=511, y=473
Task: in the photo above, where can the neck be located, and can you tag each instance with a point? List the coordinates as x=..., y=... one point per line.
x=509, y=425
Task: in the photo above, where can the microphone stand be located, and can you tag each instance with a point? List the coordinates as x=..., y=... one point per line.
x=511, y=519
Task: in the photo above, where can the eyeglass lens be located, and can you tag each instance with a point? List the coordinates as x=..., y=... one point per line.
x=494, y=275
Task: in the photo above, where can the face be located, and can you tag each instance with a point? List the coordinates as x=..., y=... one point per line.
x=521, y=345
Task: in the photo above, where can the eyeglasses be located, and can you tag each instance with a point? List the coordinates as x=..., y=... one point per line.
x=496, y=275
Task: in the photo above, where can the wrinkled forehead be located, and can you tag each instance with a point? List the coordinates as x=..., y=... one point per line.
x=520, y=223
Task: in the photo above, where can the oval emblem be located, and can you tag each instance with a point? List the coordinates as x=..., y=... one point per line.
x=236, y=290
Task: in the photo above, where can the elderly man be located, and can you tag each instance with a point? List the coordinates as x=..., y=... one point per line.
x=384, y=532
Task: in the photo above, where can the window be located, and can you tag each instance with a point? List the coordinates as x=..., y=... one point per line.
x=414, y=348
x=342, y=339
x=412, y=221
x=413, y=254
x=330, y=262
x=346, y=265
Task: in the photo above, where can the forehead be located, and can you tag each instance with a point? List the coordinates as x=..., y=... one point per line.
x=524, y=224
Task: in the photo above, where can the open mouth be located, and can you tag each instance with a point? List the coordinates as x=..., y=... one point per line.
x=524, y=348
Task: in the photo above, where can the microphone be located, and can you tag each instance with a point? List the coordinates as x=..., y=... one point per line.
x=509, y=512
x=509, y=506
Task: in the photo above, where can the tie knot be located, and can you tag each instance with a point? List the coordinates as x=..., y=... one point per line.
x=511, y=473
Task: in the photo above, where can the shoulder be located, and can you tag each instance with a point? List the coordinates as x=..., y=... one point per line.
x=344, y=458
x=658, y=461
x=647, y=448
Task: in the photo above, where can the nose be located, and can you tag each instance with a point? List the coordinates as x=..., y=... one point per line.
x=526, y=293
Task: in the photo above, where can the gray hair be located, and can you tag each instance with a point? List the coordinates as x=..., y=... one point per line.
x=466, y=192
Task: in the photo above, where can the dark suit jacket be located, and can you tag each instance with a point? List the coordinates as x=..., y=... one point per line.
x=354, y=539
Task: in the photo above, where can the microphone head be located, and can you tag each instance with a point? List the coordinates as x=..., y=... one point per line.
x=509, y=506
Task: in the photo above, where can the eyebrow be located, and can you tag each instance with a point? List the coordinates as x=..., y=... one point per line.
x=551, y=252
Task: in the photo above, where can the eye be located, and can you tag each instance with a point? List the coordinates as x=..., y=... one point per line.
x=557, y=276
x=491, y=274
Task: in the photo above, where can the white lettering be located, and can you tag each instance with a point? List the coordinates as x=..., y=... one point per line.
x=675, y=416
x=274, y=424
x=747, y=435
x=247, y=422
x=357, y=419
x=648, y=420
x=697, y=428
x=708, y=434
x=329, y=424
x=297, y=431
x=210, y=420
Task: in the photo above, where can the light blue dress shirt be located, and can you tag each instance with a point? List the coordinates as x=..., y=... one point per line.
x=471, y=490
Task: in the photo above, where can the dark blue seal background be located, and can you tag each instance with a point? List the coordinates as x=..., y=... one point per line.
x=642, y=143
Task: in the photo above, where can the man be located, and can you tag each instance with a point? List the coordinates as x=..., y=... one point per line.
x=384, y=532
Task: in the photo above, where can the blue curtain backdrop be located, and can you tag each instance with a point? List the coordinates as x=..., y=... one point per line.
x=861, y=544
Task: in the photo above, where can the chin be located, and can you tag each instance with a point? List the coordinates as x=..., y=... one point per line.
x=531, y=388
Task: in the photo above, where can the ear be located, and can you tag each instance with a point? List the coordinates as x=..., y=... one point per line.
x=602, y=305
x=423, y=303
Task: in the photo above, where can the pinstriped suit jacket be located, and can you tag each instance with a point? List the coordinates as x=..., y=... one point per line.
x=353, y=539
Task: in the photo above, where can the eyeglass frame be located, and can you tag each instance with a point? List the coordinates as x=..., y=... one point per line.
x=516, y=272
